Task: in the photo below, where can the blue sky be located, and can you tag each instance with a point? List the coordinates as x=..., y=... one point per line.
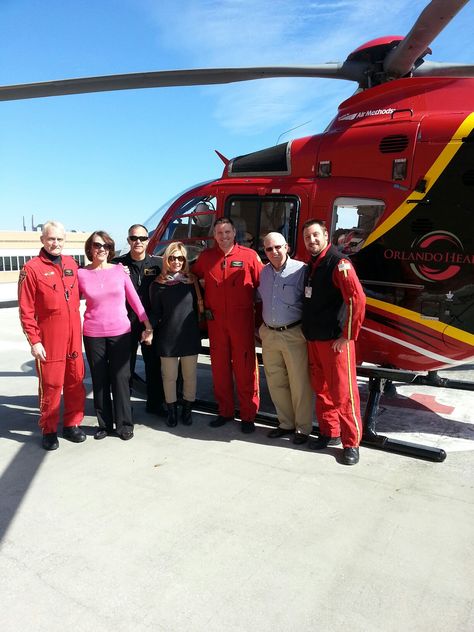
x=108, y=160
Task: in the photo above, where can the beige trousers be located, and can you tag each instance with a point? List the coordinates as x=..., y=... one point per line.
x=169, y=372
x=285, y=359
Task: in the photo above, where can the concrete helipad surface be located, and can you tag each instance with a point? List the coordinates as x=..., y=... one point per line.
x=195, y=529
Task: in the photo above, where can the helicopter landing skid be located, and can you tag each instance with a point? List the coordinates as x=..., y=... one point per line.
x=380, y=382
x=379, y=378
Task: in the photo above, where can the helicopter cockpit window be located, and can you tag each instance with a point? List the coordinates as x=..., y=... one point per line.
x=255, y=216
x=192, y=224
x=353, y=220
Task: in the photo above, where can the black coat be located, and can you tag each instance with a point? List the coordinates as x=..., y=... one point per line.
x=142, y=275
x=175, y=319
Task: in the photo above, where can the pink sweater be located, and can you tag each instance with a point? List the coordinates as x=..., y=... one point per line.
x=105, y=291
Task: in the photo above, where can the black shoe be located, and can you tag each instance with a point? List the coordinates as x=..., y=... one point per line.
x=158, y=409
x=127, y=434
x=172, y=420
x=186, y=410
x=279, y=432
x=219, y=421
x=350, y=456
x=300, y=438
x=323, y=442
x=247, y=427
x=50, y=441
x=100, y=434
x=74, y=434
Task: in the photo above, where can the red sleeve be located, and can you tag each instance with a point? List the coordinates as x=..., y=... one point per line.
x=345, y=279
x=198, y=268
x=256, y=269
x=26, y=302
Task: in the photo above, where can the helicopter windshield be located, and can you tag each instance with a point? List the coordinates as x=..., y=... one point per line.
x=152, y=222
x=191, y=224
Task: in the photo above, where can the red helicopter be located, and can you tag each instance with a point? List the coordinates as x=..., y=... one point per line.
x=392, y=175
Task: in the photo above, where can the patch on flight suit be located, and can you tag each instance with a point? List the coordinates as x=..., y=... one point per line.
x=236, y=264
x=68, y=272
x=22, y=276
x=344, y=265
x=48, y=273
x=150, y=272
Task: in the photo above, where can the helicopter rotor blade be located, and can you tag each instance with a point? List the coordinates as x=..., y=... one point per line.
x=351, y=71
x=436, y=69
x=432, y=20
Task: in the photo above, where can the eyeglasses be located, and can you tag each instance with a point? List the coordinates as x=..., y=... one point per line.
x=179, y=258
x=98, y=246
x=277, y=247
x=138, y=238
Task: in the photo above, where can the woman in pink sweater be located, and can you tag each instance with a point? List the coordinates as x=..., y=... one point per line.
x=107, y=288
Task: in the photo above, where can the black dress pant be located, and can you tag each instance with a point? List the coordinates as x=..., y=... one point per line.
x=109, y=362
x=155, y=396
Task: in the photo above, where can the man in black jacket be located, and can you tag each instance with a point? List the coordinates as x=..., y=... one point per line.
x=143, y=269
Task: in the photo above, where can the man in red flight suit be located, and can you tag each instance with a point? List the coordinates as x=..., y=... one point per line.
x=333, y=311
x=231, y=274
x=48, y=297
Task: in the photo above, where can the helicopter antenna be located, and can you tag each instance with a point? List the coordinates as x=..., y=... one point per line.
x=291, y=129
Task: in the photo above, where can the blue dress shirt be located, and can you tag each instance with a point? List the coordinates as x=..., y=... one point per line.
x=281, y=293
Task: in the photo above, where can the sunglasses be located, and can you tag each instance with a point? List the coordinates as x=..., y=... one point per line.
x=179, y=258
x=97, y=245
x=137, y=238
x=271, y=248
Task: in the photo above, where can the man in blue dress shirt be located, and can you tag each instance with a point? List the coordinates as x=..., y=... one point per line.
x=284, y=348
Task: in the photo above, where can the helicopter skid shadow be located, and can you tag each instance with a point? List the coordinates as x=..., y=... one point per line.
x=419, y=414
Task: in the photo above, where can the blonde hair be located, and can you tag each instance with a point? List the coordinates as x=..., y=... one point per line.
x=171, y=249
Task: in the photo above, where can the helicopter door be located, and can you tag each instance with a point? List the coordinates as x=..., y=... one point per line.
x=254, y=216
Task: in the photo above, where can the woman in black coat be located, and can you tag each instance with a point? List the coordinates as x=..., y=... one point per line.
x=174, y=315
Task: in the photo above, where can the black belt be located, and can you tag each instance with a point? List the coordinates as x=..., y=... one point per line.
x=284, y=327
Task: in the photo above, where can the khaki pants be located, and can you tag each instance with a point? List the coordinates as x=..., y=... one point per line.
x=285, y=359
x=169, y=372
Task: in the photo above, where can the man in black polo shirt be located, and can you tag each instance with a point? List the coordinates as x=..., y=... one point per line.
x=144, y=269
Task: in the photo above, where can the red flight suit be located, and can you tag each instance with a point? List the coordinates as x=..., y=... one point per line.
x=333, y=375
x=48, y=297
x=229, y=292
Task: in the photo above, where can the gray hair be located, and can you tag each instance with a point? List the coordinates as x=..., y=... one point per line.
x=52, y=224
x=273, y=236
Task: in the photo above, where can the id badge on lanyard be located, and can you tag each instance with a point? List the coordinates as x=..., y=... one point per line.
x=308, y=291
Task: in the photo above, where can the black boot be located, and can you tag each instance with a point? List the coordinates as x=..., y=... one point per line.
x=172, y=420
x=74, y=434
x=186, y=416
x=50, y=441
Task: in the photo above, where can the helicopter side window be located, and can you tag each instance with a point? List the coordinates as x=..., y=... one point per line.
x=254, y=217
x=353, y=220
